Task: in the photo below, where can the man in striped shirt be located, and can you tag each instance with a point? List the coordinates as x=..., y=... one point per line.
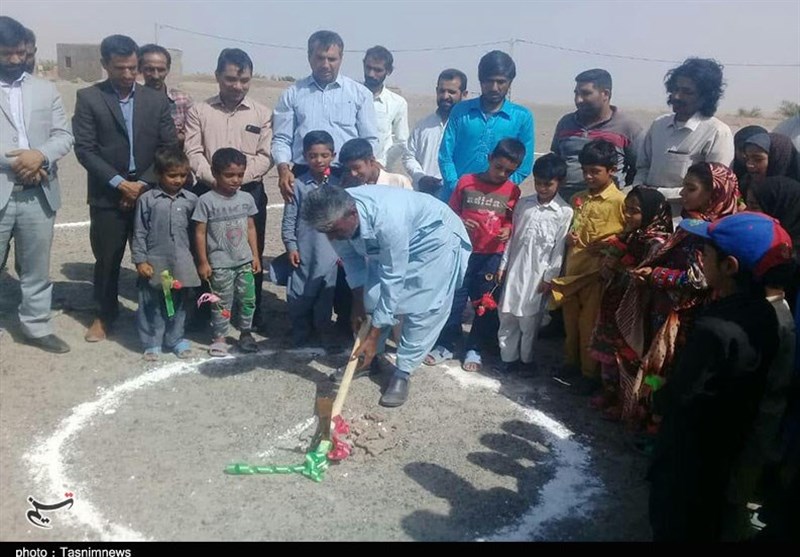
x=595, y=118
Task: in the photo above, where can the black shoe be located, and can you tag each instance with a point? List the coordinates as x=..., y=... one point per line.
x=247, y=343
x=396, y=392
x=585, y=386
x=374, y=369
x=505, y=368
x=528, y=370
x=258, y=321
x=49, y=343
x=331, y=343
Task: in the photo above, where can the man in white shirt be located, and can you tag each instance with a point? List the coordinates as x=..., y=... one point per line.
x=421, y=158
x=391, y=110
x=676, y=141
x=34, y=135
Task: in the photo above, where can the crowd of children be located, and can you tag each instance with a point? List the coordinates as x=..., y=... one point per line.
x=222, y=252
x=686, y=336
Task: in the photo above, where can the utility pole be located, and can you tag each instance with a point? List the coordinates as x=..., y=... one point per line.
x=155, y=31
x=511, y=43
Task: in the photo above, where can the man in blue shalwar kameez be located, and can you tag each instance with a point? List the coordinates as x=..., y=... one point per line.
x=404, y=253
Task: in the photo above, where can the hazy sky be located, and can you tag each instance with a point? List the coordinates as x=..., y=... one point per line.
x=755, y=32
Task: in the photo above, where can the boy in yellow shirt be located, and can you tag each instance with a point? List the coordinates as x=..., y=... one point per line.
x=598, y=215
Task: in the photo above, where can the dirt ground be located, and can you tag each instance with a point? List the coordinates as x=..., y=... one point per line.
x=143, y=446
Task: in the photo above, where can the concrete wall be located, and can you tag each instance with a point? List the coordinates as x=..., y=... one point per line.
x=82, y=61
x=79, y=61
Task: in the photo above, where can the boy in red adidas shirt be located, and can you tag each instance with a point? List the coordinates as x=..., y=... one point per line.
x=484, y=202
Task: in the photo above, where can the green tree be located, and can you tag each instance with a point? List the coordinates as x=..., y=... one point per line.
x=754, y=112
x=788, y=109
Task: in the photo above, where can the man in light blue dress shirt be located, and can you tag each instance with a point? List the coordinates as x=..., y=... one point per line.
x=405, y=254
x=476, y=126
x=326, y=101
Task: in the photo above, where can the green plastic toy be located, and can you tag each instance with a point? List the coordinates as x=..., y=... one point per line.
x=314, y=467
x=166, y=285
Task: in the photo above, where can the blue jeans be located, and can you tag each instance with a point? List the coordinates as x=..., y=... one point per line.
x=155, y=328
x=484, y=328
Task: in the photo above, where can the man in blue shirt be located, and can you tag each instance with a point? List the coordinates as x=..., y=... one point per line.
x=477, y=125
x=324, y=101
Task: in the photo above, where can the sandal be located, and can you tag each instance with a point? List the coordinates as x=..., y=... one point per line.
x=183, y=349
x=218, y=348
x=472, y=361
x=247, y=343
x=438, y=355
x=151, y=354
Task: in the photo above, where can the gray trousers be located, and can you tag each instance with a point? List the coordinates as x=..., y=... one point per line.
x=28, y=218
x=311, y=312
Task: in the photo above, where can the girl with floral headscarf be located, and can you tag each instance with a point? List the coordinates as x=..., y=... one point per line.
x=648, y=225
x=659, y=304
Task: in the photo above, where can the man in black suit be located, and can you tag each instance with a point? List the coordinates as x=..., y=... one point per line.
x=117, y=126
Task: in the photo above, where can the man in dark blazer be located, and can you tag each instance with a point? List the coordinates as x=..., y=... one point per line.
x=118, y=126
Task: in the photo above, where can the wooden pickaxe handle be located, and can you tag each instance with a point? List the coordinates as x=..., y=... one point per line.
x=352, y=364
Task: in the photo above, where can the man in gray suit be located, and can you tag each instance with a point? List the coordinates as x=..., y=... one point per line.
x=118, y=127
x=34, y=135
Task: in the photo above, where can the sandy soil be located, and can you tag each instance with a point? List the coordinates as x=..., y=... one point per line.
x=143, y=447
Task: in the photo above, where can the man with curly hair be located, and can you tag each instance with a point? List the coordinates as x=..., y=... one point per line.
x=691, y=134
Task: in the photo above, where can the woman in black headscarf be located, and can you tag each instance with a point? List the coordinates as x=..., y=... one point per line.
x=769, y=155
x=779, y=197
x=739, y=167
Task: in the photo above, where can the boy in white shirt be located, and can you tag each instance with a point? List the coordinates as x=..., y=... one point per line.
x=361, y=168
x=532, y=259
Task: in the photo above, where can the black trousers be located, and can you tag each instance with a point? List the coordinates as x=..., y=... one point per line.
x=256, y=189
x=109, y=233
